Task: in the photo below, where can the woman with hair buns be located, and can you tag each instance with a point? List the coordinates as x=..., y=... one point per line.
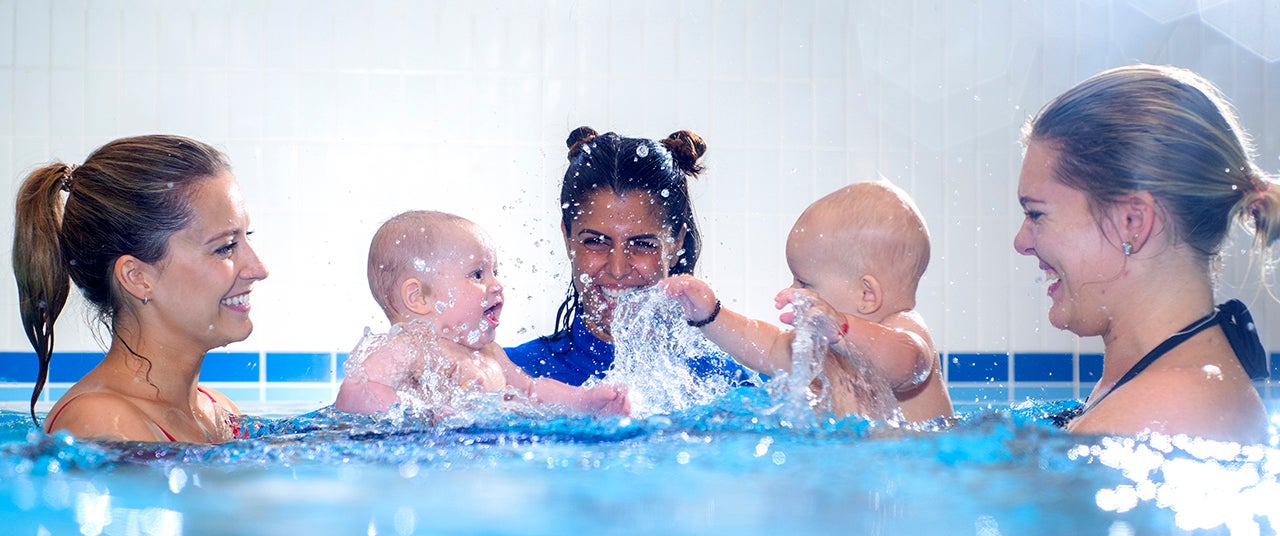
x=628, y=223
x=1130, y=183
x=153, y=231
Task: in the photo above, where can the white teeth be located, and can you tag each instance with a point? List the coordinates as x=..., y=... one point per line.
x=237, y=301
x=613, y=293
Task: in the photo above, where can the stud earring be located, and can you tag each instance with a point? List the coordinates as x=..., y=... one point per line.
x=1127, y=248
x=146, y=300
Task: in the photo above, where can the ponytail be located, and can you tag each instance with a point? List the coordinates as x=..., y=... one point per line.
x=38, y=266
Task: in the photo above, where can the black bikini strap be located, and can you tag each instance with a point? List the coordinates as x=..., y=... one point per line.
x=1177, y=338
x=1242, y=333
x=1237, y=324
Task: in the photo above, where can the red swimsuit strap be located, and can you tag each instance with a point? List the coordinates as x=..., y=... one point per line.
x=48, y=424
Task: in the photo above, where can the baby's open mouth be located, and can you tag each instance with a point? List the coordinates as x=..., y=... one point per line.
x=491, y=314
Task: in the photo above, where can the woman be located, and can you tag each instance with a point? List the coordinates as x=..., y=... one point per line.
x=1130, y=183
x=627, y=223
x=153, y=231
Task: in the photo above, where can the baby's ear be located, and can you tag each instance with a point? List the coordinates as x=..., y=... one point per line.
x=416, y=296
x=870, y=297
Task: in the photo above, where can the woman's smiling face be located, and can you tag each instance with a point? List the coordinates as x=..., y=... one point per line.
x=203, y=283
x=1060, y=230
x=617, y=243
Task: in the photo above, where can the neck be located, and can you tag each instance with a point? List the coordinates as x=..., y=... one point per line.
x=1161, y=302
x=152, y=369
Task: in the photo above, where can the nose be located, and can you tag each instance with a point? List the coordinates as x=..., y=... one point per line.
x=1022, y=242
x=619, y=263
x=254, y=268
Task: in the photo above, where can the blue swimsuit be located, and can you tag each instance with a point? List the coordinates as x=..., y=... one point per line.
x=578, y=355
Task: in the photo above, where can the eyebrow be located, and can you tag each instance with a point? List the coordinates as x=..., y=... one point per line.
x=222, y=236
x=1023, y=200
x=645, y=236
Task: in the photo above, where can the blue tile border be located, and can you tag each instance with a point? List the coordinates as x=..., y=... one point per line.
x=1037, y=367
x=231, y=367
x=981, y=378
x=18, y=367
x=977, y=367
x=299, y=367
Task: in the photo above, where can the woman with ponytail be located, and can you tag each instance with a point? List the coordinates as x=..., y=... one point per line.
x=152, y=230
x=1130, y=184
x=627, y=222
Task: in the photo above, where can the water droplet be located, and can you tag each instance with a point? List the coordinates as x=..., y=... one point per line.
x=419, y=264
x=665, y=192
x=642, y=150
x=177, y=479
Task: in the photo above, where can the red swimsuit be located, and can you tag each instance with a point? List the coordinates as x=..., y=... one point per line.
x=236, y=431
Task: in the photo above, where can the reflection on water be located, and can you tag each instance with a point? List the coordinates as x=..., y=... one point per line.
x=722, y=467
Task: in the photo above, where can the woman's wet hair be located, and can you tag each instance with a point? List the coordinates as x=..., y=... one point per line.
x=1169, y=132
x=127, y=198
x=660, y=168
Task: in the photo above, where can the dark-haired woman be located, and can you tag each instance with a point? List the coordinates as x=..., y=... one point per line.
x=628, y=223
x=153, y=231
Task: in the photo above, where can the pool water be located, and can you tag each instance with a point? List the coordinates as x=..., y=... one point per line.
x=725, y=467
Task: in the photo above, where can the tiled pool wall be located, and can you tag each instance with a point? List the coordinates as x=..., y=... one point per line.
x=976, y=380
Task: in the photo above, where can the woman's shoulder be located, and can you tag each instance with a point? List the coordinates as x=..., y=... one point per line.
x=102, y=414
x=1200, y=400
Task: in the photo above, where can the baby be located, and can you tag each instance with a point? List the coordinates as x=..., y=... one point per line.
x=856, y=257
x=435, y=276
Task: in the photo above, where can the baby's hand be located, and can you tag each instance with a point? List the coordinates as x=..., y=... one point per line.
x=814, y=311
x=608, y=399
x=695, y=296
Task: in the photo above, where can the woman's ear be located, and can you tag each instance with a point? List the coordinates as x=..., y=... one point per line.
x=871, y=296
x=1135, y=216
x=679, y=242
x=568, y=248
x=134, y=276
x=416, y=296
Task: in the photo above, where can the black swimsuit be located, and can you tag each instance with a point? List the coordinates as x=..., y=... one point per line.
x=1237, y=324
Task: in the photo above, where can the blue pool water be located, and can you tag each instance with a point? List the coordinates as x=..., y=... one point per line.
x=718, y=468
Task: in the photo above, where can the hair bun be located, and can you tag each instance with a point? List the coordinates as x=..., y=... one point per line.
x=578, y=138
x=686, y=148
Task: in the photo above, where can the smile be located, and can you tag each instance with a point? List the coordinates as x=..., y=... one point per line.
x=491, y=314
x=239, y=301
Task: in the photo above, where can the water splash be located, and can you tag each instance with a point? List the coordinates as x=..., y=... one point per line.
x=653, y=350
x=825, y=382
x=435, y=394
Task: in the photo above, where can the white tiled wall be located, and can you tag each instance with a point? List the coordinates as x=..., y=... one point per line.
x=338, y=114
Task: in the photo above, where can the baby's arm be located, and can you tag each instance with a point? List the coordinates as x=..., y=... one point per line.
x=373, y=387
x=896, y=347
x=605, y=399
x=756, y=344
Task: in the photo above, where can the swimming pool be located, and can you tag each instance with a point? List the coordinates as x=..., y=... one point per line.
x=726, y=467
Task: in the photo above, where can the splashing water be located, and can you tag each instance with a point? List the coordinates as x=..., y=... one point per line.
x=434, y=395
x=653, y=348
x=824, y=382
